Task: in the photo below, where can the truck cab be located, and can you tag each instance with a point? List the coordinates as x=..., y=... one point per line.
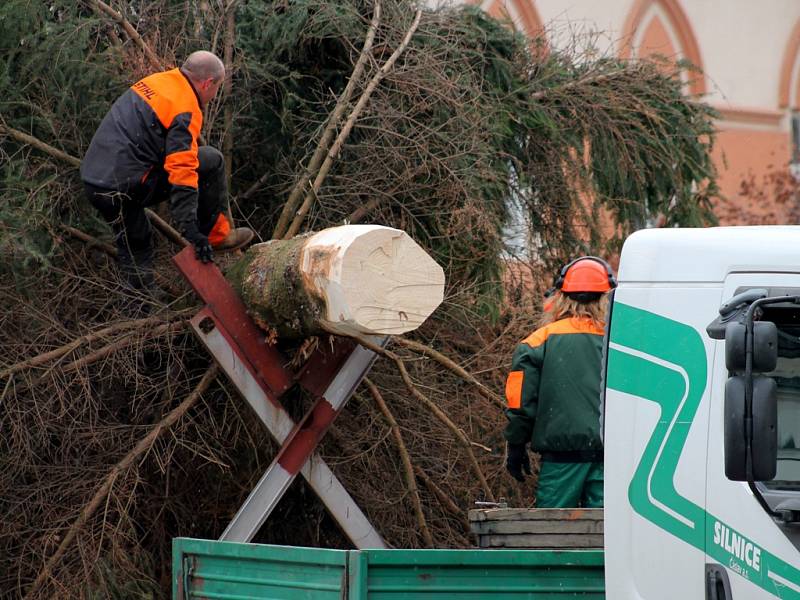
x=679, y=522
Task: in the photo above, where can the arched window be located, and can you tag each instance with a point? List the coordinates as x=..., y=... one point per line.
x=521, y=12
x=789, y=93
x=660, y=27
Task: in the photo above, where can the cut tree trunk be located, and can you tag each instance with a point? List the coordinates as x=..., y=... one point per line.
x=353, y=280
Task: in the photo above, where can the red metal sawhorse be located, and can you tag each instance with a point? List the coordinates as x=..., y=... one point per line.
x=259, y=373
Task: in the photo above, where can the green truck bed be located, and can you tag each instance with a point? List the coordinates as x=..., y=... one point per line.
x=226, y=570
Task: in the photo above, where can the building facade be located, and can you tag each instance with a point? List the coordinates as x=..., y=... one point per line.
x=748, y=54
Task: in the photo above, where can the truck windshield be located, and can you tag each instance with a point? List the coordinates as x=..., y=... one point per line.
x=787, y=377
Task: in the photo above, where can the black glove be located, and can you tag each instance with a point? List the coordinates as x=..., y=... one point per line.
x=517, y=461
x=202, y=248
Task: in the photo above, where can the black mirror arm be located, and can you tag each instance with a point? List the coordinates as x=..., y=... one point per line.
x=739, y=300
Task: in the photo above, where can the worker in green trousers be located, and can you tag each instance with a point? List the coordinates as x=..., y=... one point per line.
x=553, y=391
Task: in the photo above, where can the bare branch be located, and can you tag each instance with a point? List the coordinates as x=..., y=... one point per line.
x=363, y=211
x=91, y=241
x=166, y=229
x=119, y=344
x=443, y=498
x=452, y=366
x=408, y=469
x=163, y=281
x=330, y=128
x=119, y=469
x=230, y=37
x=40, y=145
x=61, y=351
x=458, y=433
x=103, y=8
x=348, y=126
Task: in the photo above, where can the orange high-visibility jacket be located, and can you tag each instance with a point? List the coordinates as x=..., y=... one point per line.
x=152, y=126
x=553, y=391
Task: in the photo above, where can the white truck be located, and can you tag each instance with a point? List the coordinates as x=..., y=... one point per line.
x=681, y=521
x=701, y=426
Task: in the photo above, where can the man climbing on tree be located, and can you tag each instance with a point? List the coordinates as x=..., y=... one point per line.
x=145, y=151
x=553, y=391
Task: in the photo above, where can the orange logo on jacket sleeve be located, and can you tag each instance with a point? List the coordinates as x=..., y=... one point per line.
x=144, y=89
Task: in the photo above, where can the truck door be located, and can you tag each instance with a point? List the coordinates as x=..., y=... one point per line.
x=749, y=554
x=655, y=439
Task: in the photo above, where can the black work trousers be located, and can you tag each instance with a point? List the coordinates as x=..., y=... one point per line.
x=133, y=234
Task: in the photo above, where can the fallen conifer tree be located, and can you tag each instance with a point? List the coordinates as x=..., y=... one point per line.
x=117, y=435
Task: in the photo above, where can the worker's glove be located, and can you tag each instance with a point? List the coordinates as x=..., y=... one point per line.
x=202, y=247
x=517, y=460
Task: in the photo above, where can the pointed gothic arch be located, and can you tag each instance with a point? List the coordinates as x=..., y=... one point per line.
x=522, y=13
x=789, y=90
x=665, y=21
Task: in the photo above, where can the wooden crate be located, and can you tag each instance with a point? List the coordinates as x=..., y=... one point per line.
x=537, y=527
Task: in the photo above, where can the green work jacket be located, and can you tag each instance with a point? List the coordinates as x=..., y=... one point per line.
x=553, y=391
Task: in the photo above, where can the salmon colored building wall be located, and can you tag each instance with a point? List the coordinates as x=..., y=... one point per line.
x=749, y=57
x=521, y=12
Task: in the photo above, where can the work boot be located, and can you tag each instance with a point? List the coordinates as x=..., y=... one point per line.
x=140, y=293
x=136, y=268
x=236, y=239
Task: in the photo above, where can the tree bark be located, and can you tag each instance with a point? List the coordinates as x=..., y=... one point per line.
x=353, y=280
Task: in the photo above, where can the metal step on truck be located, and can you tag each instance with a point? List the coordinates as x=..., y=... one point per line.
x=701, y=427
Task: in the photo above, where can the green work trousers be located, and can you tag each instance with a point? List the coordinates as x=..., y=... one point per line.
x=570, y=485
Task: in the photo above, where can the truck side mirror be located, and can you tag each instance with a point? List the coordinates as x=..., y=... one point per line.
x=762, y=436
x=765, y=347
x=765, y=430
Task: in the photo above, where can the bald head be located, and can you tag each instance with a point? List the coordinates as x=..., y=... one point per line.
x=206, y=72
x=202, y=65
